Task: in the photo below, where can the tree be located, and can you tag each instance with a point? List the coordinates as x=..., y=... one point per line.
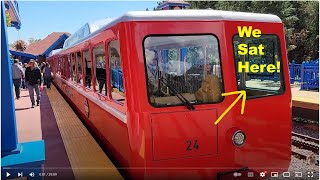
x=33, y=40
x=300, y=18
x=19, y=45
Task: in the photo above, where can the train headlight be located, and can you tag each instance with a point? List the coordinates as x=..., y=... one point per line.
x=238, y=138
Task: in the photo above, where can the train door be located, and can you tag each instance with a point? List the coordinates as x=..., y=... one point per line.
x=266, y=121
x=183, y=71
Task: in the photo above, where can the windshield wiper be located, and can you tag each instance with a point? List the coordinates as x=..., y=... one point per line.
x=176, y=93
x=173, y=90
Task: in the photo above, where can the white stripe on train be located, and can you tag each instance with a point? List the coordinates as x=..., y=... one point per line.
x=121, y=116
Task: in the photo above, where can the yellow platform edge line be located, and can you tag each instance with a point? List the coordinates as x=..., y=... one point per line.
x=86, y=157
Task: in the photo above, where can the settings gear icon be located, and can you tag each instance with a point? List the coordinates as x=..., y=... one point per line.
x=262, y=174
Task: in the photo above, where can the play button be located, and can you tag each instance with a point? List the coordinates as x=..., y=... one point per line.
x=8, y=174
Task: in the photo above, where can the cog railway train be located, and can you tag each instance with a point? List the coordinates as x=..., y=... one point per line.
x=148, y=85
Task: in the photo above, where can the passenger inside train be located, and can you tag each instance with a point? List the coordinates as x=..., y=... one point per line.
x=78, y=60
x=117, y=90
x=99, y=62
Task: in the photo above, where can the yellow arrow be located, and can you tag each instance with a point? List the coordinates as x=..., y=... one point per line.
x=242, y=94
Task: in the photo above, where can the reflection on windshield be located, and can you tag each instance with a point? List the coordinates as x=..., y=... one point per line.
x=190, y=64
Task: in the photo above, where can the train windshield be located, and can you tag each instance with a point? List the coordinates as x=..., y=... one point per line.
x=190, y=66
x=263, y=83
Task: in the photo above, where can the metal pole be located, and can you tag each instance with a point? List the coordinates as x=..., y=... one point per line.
x=8, y=119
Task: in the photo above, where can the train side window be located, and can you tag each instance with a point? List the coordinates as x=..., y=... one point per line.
x=73, y=68
x=79, y=68
x=59, y=66
x=99, y=62
x=68, y=74
x=87, y=68
x=62, y=66
x=116, y=77
x=262, y=83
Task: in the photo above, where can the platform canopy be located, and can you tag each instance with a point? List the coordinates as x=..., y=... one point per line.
x=23, y=56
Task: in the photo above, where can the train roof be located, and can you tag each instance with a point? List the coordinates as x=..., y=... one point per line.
x=190, y=15
x=174, y=15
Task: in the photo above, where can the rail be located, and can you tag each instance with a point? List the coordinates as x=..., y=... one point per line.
x=304, y=142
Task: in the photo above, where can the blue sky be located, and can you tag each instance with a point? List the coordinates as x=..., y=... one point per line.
x=40, y=18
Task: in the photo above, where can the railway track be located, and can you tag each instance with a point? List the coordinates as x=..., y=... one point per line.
x=306, y=143
x=306, y=138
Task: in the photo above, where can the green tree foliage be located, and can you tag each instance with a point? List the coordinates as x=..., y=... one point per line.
x=300, y=18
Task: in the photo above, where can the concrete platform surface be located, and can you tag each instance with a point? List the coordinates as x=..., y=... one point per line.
x=304, y=96
x=70, y=150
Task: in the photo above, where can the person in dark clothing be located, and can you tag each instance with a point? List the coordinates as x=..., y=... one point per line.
x=42, y=66
x=101, y=77
x=88, y=74
x=47, y=75
x=33, y=80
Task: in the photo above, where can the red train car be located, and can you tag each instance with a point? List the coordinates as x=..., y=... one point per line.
x=149, y=85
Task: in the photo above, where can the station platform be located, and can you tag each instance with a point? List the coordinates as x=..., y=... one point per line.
x=71, y=152
x=305, y=103
x=311, y=97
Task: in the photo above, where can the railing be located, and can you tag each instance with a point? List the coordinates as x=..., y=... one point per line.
x=310, y=75
x=116, y=79
x=306, y=73
x=264, y=75
x=295, y=72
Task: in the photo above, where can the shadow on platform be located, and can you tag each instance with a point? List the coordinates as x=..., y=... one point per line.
x=57, y=160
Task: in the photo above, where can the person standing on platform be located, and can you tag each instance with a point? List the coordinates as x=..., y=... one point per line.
x=24, y=71
x=42, y=67
x=33, y=81
x=17, y=74
x=47, y=75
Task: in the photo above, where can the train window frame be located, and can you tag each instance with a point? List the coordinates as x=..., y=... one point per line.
x=78, y=81
x=281, y=79
x=62, y=66
x=182, y=104
x=68, y=64
x=74, y=72
x=84, y=65
x=64, y=57
x=94, y=77
x=109, y=73
x=58, y=66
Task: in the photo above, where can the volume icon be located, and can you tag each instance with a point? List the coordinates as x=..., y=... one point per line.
x=31, y=174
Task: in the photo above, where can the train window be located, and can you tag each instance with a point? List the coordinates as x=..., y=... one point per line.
x=265, y=83
x=182, y=70
x=59, y=66
x=99, y=62
x=79, y=68
x=117, y=89
x=87, y=68
x=62, y=62
x=73, y=68
x=68, y=74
